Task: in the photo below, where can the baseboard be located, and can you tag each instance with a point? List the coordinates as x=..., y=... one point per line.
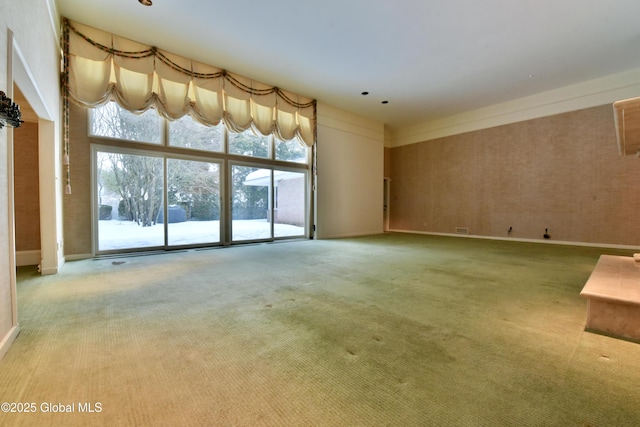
x=77, y=257
x=511, y=239
x=349, y=235
x=28, y=258
x=7, y=340
x=48, y=271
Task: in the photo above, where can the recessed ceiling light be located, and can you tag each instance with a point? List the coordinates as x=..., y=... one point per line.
x=146, y=2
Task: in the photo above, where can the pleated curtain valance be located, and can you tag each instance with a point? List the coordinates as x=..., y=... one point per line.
x=101, y=66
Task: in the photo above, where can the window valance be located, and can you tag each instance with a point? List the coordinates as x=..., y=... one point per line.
x=101, y=66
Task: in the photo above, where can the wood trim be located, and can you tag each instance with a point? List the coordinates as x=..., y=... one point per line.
x=627, y=120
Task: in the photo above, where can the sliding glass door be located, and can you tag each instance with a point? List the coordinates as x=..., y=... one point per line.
x=131, y=198
x=250, y=205
x=267, y=203
x=130, y=190
x=156, y=201
x=289, y=205
x=193, y=202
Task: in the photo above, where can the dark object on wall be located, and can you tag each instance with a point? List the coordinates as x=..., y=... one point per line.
x=546, y=233
x=9, y=112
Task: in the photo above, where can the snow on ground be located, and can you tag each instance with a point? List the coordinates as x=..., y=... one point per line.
x=115, y=234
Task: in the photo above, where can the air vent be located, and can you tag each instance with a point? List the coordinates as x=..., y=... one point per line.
x=462, y=230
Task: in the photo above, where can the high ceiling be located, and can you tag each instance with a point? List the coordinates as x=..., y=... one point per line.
x=429, y=59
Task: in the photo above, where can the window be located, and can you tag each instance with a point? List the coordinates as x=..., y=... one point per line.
x=112, y=121
x=187, y=133
x=171, y=192
x=248, y=143
x=291, y=151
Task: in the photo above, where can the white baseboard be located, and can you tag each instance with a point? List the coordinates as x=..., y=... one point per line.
x=510, y=239
x=28, y=258
x=8, y=339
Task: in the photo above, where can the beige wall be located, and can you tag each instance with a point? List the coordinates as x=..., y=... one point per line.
x=561, y=172
x=350, y=162
x=77, y=205
x=387, y=162
x=26, y=184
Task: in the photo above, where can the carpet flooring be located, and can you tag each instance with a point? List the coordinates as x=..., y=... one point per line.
x=385, y=330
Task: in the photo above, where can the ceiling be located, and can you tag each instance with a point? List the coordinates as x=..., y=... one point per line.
x=429, y=59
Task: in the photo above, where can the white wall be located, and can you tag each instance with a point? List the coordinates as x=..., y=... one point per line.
x=350, y=169
x=28, y=56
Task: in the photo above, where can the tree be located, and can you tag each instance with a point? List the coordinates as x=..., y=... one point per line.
x=249, y=202
x=195, y=186
x=290, y=150
x=138, y=181
x=112, y=121
x=189, y=134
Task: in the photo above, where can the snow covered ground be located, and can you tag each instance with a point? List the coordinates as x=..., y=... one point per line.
x=115, y=234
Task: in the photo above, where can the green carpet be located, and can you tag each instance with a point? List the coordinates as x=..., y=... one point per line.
x=387, y=330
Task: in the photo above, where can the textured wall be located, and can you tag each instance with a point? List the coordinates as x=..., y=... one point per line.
x=387, y=162
x=77, y=206
x=561, y=172
x=27, y=195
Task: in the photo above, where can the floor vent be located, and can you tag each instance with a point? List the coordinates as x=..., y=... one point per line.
x=462, y=230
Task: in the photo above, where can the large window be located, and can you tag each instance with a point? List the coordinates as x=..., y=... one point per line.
x=162, y=184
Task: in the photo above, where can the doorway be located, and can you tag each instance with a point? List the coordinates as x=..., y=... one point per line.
x=385, y=203
x=26, y=185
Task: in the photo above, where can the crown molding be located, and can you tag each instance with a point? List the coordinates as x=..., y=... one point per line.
x=574, y=97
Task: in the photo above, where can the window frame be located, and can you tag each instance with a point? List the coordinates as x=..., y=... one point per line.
x=224, y=158
x=161, y=124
